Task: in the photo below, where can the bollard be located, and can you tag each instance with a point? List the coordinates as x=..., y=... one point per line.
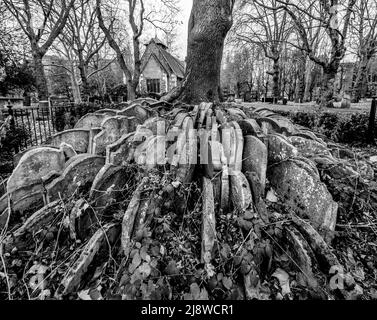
x=372, y=117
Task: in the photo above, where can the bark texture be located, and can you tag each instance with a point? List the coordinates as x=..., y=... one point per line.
x=209, y=24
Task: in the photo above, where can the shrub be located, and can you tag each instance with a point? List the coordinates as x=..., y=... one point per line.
x=340, y=127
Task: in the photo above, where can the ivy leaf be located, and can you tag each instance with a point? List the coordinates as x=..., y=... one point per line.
x=227, y=282
x=225, y=251
x=145, y=270
x=135, y=263
x=195, y=291
x=155, y=251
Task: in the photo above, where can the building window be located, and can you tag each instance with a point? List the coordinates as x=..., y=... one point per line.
x=153, y=85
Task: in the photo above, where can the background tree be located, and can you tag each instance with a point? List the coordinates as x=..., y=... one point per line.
x=41, y=21
x=267, y=26
x=334, y=17
x=138, y=15
x=363, y=42
x=209, y=23
x=81, y=40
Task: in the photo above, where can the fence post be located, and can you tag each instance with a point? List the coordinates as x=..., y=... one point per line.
x=372, y=117
x=12, y=126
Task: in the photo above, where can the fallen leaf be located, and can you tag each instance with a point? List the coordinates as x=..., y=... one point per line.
x=283, y=278
x=271, y=196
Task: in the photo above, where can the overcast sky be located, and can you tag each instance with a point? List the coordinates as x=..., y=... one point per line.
x=186, y=10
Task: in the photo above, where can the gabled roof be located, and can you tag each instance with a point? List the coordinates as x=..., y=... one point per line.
x=174, y=64
x=164, y=58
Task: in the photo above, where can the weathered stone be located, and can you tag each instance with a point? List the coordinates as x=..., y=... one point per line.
x=23, y=198
x=140, y=153
x=306, y=164
x=257, y=195
x=260, y=109
x=17, y=157
x=91, y=120
x=270, y=126
x=203, y=109
x=228, y=140
x=308, y=148
x=101, y=239
x=139, y=112
x=266, y=113
x=81, y=218
x=80, y=172
x=250, y=127
x=77, y=138
x=38, y=220
x=240, y=192
x=108, y=186
x=208, y=221
x=34, y=165
x=237, y=164
x=309, y=135
x=130, y=217
x=157, y=125
x=155, y=152
x=303, y=256
x=236, y=113
x=188, y=158
x=325, y=257
x=112, y=129
x=255, y=158
x=121, y=152
x=279, y=149
x=108, y=112
x=304, y=193
x=285, y=124
x=209, y=120
x=225, y=189
x=220, y=117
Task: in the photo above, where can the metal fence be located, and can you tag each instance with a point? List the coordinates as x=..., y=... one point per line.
x=35, y=125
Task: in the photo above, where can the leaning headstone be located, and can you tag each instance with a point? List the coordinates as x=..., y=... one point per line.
x=240, y=192
x=250, y=127
x=305, y=194
x=77, y=175
x=34, y=165
x=307, y=147
x=91, y=120
x=77, y=138
x=208, y=221
x=108, y=186
x=279, y=149
x=255, y=158
x=121, y=151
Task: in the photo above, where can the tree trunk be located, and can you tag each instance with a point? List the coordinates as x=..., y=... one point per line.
x=308, y=80
x=275, y=79
x=131, y=90
x=360, y=79
x=40, y=76
x=83, y=75
x=328, y=83
x=75, y=86
x=209, y=23
x=300, y=82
